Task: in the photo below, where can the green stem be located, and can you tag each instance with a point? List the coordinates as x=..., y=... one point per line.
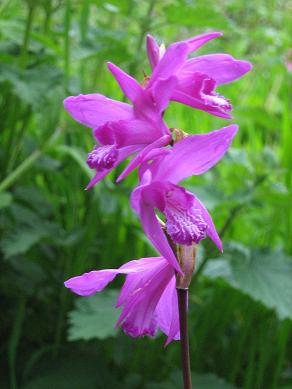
x=14, y=341
x=26, y=37
x=67, y=22
x=27, y=163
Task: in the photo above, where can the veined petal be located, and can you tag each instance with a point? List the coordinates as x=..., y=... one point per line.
x=90, y=283
x=195, y=155
x=123, y=153
x=211, y=229
x=194, y=102
x=222, y=68
x=167, y=312
x=155, y=234
x=140, y=157
x=131, y=88
x=94, y=110
x=138, y=315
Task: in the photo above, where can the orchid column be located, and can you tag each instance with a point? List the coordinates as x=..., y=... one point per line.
x=155, y=292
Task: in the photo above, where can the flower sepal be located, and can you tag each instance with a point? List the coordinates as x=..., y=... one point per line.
x=187, y=259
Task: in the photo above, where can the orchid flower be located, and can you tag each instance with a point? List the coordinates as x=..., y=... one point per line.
x=122, y=129
x=148, y=297
x=197, y=78
x=187, y=219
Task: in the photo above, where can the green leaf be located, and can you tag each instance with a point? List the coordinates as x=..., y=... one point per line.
x=264, y=276
x=21, y=241
x=5, y=199
x=202, y=381
x=77, y=155
x=94, y=317
x=32, y=85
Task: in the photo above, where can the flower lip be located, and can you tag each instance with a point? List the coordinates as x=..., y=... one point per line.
x=102, y=157
x=184, y=221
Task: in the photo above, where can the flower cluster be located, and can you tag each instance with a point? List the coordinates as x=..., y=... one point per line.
x=148, y=297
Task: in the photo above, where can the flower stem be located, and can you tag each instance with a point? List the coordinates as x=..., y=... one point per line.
x=184, y=337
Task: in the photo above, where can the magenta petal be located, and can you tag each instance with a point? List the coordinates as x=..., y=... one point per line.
x=196, y=42
x=211, y=229
x=163, y=141
x=128, y=132
x=155, y=234
x=138, y=316
x=152, y=51
x=195, y=154
x=167, y=312
x=124, y=153
x=144, y=267
x=197, y=103
x=89, y=283
x=222, y=68
x=131, y=88
x=162, y=91
x=94, y=110
x=171, y=62
x=94, y=281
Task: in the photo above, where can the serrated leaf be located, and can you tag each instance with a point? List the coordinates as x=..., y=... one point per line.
x=94, y=317
x=31, y=85
x=21, y=241
x=264, y=276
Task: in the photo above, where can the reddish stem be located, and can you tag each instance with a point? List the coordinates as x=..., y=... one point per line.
x=184, y=337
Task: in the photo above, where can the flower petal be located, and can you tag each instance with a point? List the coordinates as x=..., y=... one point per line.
x=211, y=229
x=124, y=152
x=89, y=283
x=131, y=88
x=155, y=234
x=222, y=68
x=128, y=132
x=167, y=313
x=195, y=155
x=94, y=110
x=144, y=266
x=152, y=51
x=194, y=102
x=170, y=63
x=162, y=90
x=196, y=42
x=138, y=315
x=140, y=157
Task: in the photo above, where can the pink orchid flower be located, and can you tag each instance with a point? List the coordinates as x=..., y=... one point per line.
x=187, y=219
x=148, y=297
x=197, y=78
x=122, y=129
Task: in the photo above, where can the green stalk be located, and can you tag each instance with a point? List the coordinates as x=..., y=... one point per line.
x=27, y=163
x=67, y=23
x=14, y=341
x=26, y=37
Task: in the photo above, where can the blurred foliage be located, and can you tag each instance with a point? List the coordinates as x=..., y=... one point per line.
x=51, y=229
